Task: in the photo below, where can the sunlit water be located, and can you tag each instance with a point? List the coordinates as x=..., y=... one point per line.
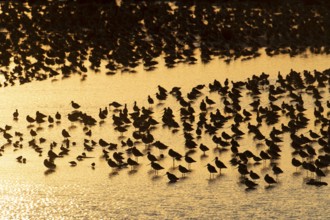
x=28, y=191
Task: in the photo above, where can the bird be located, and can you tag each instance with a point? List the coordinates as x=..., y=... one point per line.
x=103, y=143
x=183, y=170
x=118, y=156
x=219, y=164
x=172, y=178
x=189, y=160
x=50, y=119
x=112, y=163
x=19, y=159
x=277, y=170
x=270, y=180
x=264, y=156
x=151, y=157
x=58, y=116
x=313, y=134
x=40, y=117
x=33, y=133
x=175, y=155
x=73, y=163
x=136, y=152
x=156, y=167
x=15, y=114
x=30, y=119
x=250, y=184
x=203, y=148
x=115, y=104
x=52, y=155
x=211, y=169
x=65, y=134
x=93, y=165
x=49, y=164
x=209, y=101
x=254, y=175
x=296, y=163
x=132, y=163
x=150, y=100
x=242, y=169
x=75, y=105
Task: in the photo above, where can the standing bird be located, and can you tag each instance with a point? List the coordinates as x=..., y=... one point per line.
x=313, y=134
x=93, y=165
x=150, y=100
x=30, y=119
x=50, y=119
x=209, y=101
x=172, y=177
x=33, y=133
x=40, y=117
x=183, y=170
x=203, y=148
x=250, y=184
x=136, y=153
x=15, y=115
x=189, y=160
x=49, y=164
x=132, y=163
x=270, y=180
x=151, y=157
x=175, y=155
x=219, y=164
x=156, y=167
x=73, y=163
x=112, y=163
x=75, y=105
x=211, y=169
x=65, y=134
x=254, y=175
x=296, y=163
x=264, y=156
x=115, y=104
x=277, y=171
x=58, y=116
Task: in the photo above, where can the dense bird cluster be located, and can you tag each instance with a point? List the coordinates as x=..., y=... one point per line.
x=42, y=39
x=295, y=106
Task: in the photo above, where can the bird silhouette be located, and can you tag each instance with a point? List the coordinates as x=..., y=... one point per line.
x=211, y=170
x=183, y=170
x=189, y=160
x=49, y=164
x=65, y=134
x=250, y=184
x=132, y=163
x=270, y=180
x=172, y=178
x=151, y=157
x=156, y=167
x=219, y=164
x=15, y=115
x=75, y=105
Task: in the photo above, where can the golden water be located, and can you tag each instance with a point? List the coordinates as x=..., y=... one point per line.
x=28, y=191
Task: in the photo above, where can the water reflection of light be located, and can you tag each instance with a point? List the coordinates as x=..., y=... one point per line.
x=72, y=190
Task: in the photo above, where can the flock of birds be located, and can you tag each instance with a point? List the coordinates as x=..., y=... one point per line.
x=45, y=45
x=57, y=38
x=295, y=105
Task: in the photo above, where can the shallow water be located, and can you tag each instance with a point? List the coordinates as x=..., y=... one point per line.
x=29, y=191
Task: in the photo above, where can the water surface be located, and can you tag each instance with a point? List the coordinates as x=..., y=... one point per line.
x=29, y=191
